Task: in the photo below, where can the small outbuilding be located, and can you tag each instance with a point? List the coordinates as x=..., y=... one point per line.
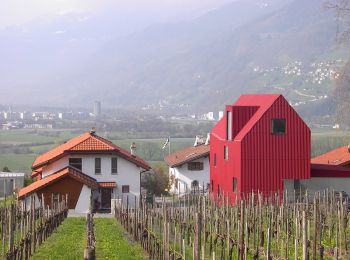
x=10, y=182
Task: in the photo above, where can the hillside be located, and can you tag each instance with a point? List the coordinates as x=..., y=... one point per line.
x=213, y=57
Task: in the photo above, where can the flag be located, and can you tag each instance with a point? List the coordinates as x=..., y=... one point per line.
x=167, y=141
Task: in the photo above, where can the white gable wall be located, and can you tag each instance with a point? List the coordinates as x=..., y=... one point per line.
x=186, y=177
x=128, y=172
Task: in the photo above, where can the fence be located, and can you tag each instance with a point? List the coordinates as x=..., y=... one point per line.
x=24, y=227
x=195, y=227
x=89, y=252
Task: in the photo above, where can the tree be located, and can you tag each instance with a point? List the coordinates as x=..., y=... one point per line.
x=342, y=97
x=156, y=182
x=6, y=169
x=342, y=89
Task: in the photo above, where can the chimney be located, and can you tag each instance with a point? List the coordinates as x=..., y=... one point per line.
x=133, y=149
x=93, y=130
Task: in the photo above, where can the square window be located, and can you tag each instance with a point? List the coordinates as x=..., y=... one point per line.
x=76, y=163
x=278, y=126
x=195, y=166
x=97, y=165
x=125, y=189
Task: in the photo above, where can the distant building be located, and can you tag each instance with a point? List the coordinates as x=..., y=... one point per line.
x=65, y=115
x=221, y=115
x=210, y=116
x=97, y=108
x=10, y=182
x=189, y=168
x=25, y=115
x=45, y=124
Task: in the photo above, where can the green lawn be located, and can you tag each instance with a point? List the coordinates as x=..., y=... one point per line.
x=112, y=243
x=67, y=242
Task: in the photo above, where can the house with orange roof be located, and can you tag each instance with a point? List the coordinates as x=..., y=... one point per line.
x=189, y=168
x=89, y=169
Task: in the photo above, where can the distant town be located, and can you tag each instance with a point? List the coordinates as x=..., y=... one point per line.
x=15, y=118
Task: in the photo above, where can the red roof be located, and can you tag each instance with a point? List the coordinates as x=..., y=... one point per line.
x=339, y=156
x=108, y=184
x=261, y=102
x=87, y=142
x=68, y=171
x=187, y=155
x=329, y=171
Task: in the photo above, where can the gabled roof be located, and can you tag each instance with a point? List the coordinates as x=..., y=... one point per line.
x=187, y=154
x=87, y=142
x=68, y=171
x=260, y=102
x=339, y=156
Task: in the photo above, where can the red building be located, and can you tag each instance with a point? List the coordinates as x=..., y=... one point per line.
x=260, y=143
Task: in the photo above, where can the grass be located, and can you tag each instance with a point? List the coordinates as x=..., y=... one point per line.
x=112, y=243
x=67, y=242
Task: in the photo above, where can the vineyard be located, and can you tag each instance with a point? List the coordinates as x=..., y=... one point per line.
x=25, y=226
x=195, y=227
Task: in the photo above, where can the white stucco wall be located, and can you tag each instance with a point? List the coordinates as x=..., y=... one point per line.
x=128, y=173
x=83, y=204
x=321, y=184
x=186, y=177
x=317, y=185
x=55, y=166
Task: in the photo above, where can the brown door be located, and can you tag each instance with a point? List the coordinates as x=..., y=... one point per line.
x=106, y=196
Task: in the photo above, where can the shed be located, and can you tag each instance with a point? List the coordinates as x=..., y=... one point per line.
x=10, y=182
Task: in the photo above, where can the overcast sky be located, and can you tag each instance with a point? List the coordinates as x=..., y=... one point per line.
x=16, y=12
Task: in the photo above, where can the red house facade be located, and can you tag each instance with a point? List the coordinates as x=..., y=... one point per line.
x=259, y=143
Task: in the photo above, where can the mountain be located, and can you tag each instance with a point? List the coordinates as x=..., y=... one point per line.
x=200, y=64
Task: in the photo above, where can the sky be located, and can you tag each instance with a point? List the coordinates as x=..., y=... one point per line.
x=17, y=12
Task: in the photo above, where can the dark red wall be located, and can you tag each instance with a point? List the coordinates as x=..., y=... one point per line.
x=261, y=160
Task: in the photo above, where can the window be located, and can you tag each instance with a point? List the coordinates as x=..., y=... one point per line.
x=226, y=152
x=212, y=185
x=234, y=184
x=76, y=163
x=214, y=159
x=229, y=125
x=218, y=190
x=125, y=188
x=114, y=165
x=195, y=166
x=278, y=126
x=97, y=165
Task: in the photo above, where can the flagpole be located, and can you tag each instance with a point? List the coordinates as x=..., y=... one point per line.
x=169, y=145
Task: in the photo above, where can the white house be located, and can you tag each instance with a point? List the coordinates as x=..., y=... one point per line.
x=90, y=169
x=189, y=168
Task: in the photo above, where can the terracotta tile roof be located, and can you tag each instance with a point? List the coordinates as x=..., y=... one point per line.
x=68, y=171
x=86, y=142
x=108, y=184
x=339, y=156
x=186, y=155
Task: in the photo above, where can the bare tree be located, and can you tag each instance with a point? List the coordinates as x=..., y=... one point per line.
x=341, y=9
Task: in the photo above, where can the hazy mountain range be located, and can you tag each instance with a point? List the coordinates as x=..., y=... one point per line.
x=202, y=63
